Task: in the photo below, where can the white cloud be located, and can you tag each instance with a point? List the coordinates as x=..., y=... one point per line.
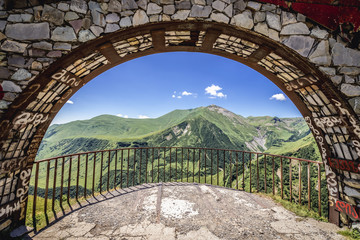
x=142, y=117
x=173, y=96
x=279, y=97
x=123, y=116
x=185, y=93
x=179, y=97
x=213, y=90
x=70, y=102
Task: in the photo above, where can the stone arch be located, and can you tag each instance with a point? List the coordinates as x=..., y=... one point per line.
x=51, y=51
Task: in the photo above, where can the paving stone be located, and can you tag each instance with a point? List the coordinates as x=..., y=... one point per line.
x=240, y=5
x=140, y=18
x=114, y=6
x=243, y=20
x=28, y=31
x=129, y=4
x=12, y=46
x=71, y=16
x=218, y=5
x=63, y=34
x=86, y=35
x=79, y=6
x=259, y=17
x=111, y=27
x=254, y=5
x=229, y=10
x=219, y=17
x=301, y=44
x=112, y=18
x=21, y=74
x=182, y=5
x=52, y=15
x=273, y=21
x=343, y=56
x=350, y=90
x=42, y=45
x=262, y=28
x=142, y=4
x=181, y=15
x=98, y=18
x=169, y=9
x=321, y=55
x=319, y=33
x=97, y=30
x=200, y=11
x=166, y=2
x=63, y=7
x=153, y=9
x=295, y=29
x=287, y=18
x=199, y=2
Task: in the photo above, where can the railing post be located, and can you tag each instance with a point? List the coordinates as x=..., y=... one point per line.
x=77, y=177
x=86, y=174
x=319, y=189
x=146, y=165
x=230, y=172
x=62, y=180
x=290, y=178
x=35, y=194
x=121, y=168
x=108, y=171
x=211, y=168
x=134, y=168
x=237, y=173
x=140, y=166
x=199, y=163
x=187, y=166
x=69, y=181
x=265, y=175
x=243, y=168
x=101, y=169
x=47, y=187
x=128, y=169
x=164, y=164
x=217, y=167
x=54, y=186
x=257, y=172
x=93, y=178
x=116, y=161
x=250, y=170
x=309, y=185
x=281, y=176
x=273, y=175
x=299, y=183
x=205, y=164
x=170, y=164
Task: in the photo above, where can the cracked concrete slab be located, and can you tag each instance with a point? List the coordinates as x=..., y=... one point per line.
x=179, y=211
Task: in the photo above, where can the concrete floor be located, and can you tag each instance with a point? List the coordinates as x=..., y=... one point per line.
x=185, y=211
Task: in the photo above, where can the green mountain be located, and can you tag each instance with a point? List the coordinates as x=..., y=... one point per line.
x=211, y=127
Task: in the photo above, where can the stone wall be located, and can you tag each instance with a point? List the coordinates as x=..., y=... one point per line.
x=32, y=39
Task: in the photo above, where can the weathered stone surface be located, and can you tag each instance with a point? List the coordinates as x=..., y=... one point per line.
x=319, y=33
x=199, y=2
x=79, y=6
x=321, y=55
x=54, y=54
x=183, y=5
x=169, y=9
x=350, y=90
x=300, y=17
x=262, y=28
x=52, y=15
x=14, y=18
x=16, y=61
x=259, y=17
x=10, y=96
x=295, y=29
x=62, y=46
x=336, y=80
x=98, y=18
x=9, y=86
x=4, y=73
x=21, y=74
x=36, y=65
x=219, y=17
x=95, y=6
x=140, y=17
x=129, y=4
x=97, y=30
x=63, y=7
x=42, y=45
x=243, y=20
x=162, y=2
x=63, y=34
x=218, y=5
x=26, y=17
x=328, y=70
x=142, y=4
x=111, y=27
x=349, y=79
x=229, y=10
x=112, y=18
x=4, y=104
x=351, y=192
x=71, y=16
x=287, y=18
x=77, y=25
x=153, y=9
x=181, y=15
x=154, y=18
x=268, y=7
x=355, y=104
x=343, y=56
x=36, y=53
x=127, y=13
x=114, y=6
x=86, y=35
x=12, y=46
x=352, y=183
x=2, y=25
x=301, y=44
x=254, y=5
x=200, y=11
x=28, y=31
x=240, y=5
x=350, y=70
x=273, y=21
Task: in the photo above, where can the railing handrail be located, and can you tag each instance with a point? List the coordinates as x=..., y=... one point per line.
x=217, y=149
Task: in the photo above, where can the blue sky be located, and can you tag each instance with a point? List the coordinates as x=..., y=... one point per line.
x=154, y=85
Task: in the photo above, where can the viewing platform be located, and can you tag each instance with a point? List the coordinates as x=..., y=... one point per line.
x=185, y=211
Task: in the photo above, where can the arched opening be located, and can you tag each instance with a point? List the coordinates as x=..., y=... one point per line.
x=304, y=84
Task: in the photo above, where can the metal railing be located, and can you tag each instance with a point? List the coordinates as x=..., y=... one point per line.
x=71, y=178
